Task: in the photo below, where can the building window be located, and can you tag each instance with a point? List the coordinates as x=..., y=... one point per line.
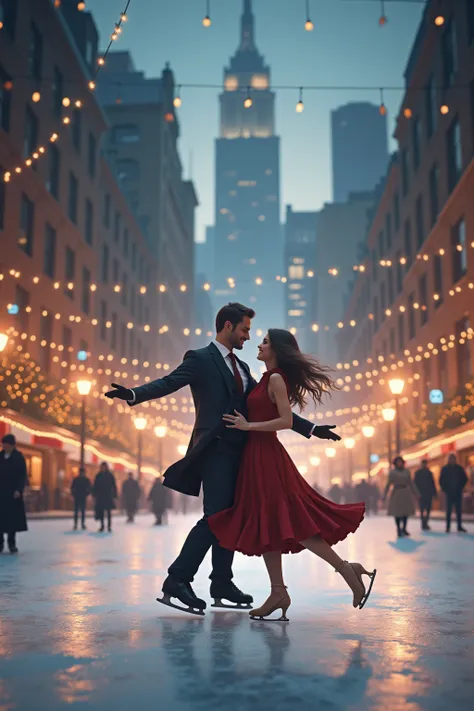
x=431, y=107
x=126, y=133
x=434, y=192
x=420, y=226
x=58, y=92
x=27, y=217
x=416, y=142
x=126, y=241
x=401, y=333
x=381, y=244
x=22, y=300
x=107, y=210
x=454, y=148
x=128, y=170
x=105, y=264
x=383, y=302
x=470, y=20
x=67, y=343
x=132, y=300
x=54, y=166
x=463, y=354
x=124, y=289
x=117, y=223
x=46, y=334
x=407, y=244
x=123, y=340
x=115, y=271
x=396, y=211
x=3, y=191
x=392, y=340
x=442, y=359
x=31, y=133
x=8, y=10
x=376, y=314
x=5, y=100
x=458, y=250
x=72, y=202
x=103, y=320
x=390, y=285
x=449, y=53
x=399, y=269
x=91, y=155
x=35, y=53
x=388, y=231
x=86, y=290
x=438, y=279
x=113, y=332
x=69, y=271
x=373, y=259
x=423, y=295
x=405, y=171
x=134, y=256
x=411, y=317
x=76, y=128
x=49, y=253
x=89, y=222
x=295, y=272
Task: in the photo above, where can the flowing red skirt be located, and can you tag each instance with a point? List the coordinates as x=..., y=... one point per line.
x=275, y=508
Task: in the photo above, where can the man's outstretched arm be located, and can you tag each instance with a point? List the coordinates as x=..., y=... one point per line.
x=307, y=428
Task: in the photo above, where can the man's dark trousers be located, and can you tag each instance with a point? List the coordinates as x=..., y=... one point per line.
x=454, y=499
x=80, y=508
x=220, y=467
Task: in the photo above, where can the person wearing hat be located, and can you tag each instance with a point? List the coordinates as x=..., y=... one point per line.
x=13, y=479
x=403, y=497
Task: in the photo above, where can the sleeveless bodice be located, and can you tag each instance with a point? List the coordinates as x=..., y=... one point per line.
x=259, y=406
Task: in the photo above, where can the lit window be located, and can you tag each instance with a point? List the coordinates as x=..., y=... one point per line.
x=298, y=260
x=296, y=272
x=231, y=83
x=296, y=287
x=247, y=183
x=271, y=198
x=268, y=171
x=260, y=81
x=295, y=312
x=261, y=218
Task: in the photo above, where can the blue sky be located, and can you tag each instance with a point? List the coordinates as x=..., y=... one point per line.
x=347, y=48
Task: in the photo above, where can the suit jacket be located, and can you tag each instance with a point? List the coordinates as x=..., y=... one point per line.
x=212, y=386
x=13, y=477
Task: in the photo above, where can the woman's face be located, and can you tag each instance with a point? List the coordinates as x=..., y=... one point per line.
x=399, y=463
x=265, y=352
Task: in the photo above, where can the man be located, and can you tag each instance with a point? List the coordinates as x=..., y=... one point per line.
x=130, y=497
x=105, y=493
x=363, y=492
x=80, y=489
x=160, y=500
x=424, y=482
x=452, y=481
x=220, y=384
x=13, y=479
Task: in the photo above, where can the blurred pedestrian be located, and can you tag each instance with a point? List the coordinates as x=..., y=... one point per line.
x=374, y=497
x=335, y=493
x=348, y=493
x=401, y=504
x=363, y=492
x=13, y=479
x=105, y=494
x=160, y=500
x=424, y=482
x=130, y=497
x=452, y=480
x=81, y=487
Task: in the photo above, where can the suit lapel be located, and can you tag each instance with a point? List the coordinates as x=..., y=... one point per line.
x=250, y=381
x=219, y=361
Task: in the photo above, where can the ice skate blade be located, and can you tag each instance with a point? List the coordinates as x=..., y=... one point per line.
x=166, y=600
x=366, y=596
x=283, y=618
x=237, y=606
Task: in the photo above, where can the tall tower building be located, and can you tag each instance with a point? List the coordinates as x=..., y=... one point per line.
x=248, y=234
x=359, y=149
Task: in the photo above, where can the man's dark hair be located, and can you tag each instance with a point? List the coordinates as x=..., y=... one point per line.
x=234, y=313
x=9, y=439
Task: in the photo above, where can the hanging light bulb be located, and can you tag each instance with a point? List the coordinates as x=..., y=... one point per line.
x=439, y=20
x=300, y=104
x=81, y=6
x=407, y=112
x=308, y=25
x=36, y=96
x=248, y=99
x=382, y=107
x=207, y=22
x=177, y=99
x=383, y=17
x=444, y=109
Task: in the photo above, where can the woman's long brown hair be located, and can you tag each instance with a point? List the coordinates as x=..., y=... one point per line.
x=305, y=375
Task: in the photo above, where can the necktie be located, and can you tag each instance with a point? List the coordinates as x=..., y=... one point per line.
x=237, y=376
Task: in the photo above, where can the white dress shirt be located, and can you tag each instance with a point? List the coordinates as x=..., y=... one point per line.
x=225, y=353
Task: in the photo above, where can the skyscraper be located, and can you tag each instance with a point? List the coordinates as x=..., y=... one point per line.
x=248, y=234
x=359, y=149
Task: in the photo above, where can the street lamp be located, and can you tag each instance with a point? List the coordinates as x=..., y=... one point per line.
x=396, y=386
x=368, y=431
x=389, y=414
x=140, y=424
x=330, y=454
x=315, y=461
x=83, y=388
x=160, y=431
x=349, y=444
x=3, y=341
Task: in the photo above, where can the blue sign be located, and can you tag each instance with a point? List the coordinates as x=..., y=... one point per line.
x=436, y=397
x=13, y=309
x=82, y=355
x=374, y=458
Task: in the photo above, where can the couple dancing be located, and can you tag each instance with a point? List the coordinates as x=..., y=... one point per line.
x=255, y=500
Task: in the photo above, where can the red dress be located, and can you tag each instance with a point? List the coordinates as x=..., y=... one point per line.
x=275, y=508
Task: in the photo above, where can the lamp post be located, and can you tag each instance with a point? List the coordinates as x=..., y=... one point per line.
x=140, y=424
x=83, y=388
x=349, y=444
x=368, y=431
x=330, y=454
x=160, y=431
x=389, y=414
x=396, y=386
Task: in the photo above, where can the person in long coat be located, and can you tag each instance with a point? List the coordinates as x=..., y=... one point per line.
x=403, y=496
x=130, y=497
x=424, y=482
x=105, y=494
x=13, y=479
x=452, y=480
x=160, y=500
x=80, y=490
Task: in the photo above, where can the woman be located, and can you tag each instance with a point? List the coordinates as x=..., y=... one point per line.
x=276, y=511
x=403, y=495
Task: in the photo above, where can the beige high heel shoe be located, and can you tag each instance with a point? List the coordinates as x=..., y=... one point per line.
x=282, y=602
x=358, y=570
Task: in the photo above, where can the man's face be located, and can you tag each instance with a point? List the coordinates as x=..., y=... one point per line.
x=240, y=334
x=424, y=463
x=8, y=448
x=452, y=459
x=103, y=467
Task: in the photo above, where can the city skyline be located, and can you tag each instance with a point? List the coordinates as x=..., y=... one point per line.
x=306, y=170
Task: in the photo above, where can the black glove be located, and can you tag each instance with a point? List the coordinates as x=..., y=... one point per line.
x=120, y=392
x=324, y=432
